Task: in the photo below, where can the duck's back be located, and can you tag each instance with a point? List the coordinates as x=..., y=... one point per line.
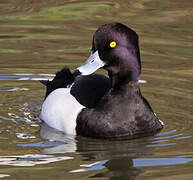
x=88, y=90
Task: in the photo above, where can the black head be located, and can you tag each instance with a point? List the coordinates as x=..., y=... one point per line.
x=117, y=46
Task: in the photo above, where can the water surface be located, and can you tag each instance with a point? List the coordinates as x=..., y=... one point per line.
x=38, y=38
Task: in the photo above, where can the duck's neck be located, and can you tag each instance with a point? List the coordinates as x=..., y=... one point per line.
x=119, y=80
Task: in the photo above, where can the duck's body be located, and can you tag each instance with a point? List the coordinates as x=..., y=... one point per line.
x=95, y=105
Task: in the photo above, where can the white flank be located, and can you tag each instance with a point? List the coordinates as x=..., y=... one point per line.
x=60, y=110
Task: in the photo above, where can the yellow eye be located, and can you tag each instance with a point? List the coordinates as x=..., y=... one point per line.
x=113, y=44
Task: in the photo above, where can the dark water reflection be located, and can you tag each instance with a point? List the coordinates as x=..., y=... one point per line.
x=37, y=38
x=118, y=159
x=115, y=157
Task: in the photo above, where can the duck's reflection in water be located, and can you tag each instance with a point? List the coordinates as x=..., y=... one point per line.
x=120, y=169
x=114, y=155
x=69, y=142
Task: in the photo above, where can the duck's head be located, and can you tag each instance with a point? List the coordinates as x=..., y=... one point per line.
x=114, y=48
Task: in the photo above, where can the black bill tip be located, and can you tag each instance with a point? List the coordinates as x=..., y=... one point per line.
x=76, y=73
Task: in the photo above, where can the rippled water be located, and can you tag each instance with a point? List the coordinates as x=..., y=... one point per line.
x=37, y=38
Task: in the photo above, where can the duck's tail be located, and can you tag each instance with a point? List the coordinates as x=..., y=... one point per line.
x=62, y=79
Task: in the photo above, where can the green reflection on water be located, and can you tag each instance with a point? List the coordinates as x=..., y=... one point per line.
x=10, y=51
x=34, y=26
x=74, y=11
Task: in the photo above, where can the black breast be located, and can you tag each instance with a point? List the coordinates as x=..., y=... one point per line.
x=122, y=113
x=88, y=90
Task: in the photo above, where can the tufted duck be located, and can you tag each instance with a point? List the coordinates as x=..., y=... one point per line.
x=94, y=105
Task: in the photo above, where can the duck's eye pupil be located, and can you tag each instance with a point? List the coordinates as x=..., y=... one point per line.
x=92, y=61
x=113, y=44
